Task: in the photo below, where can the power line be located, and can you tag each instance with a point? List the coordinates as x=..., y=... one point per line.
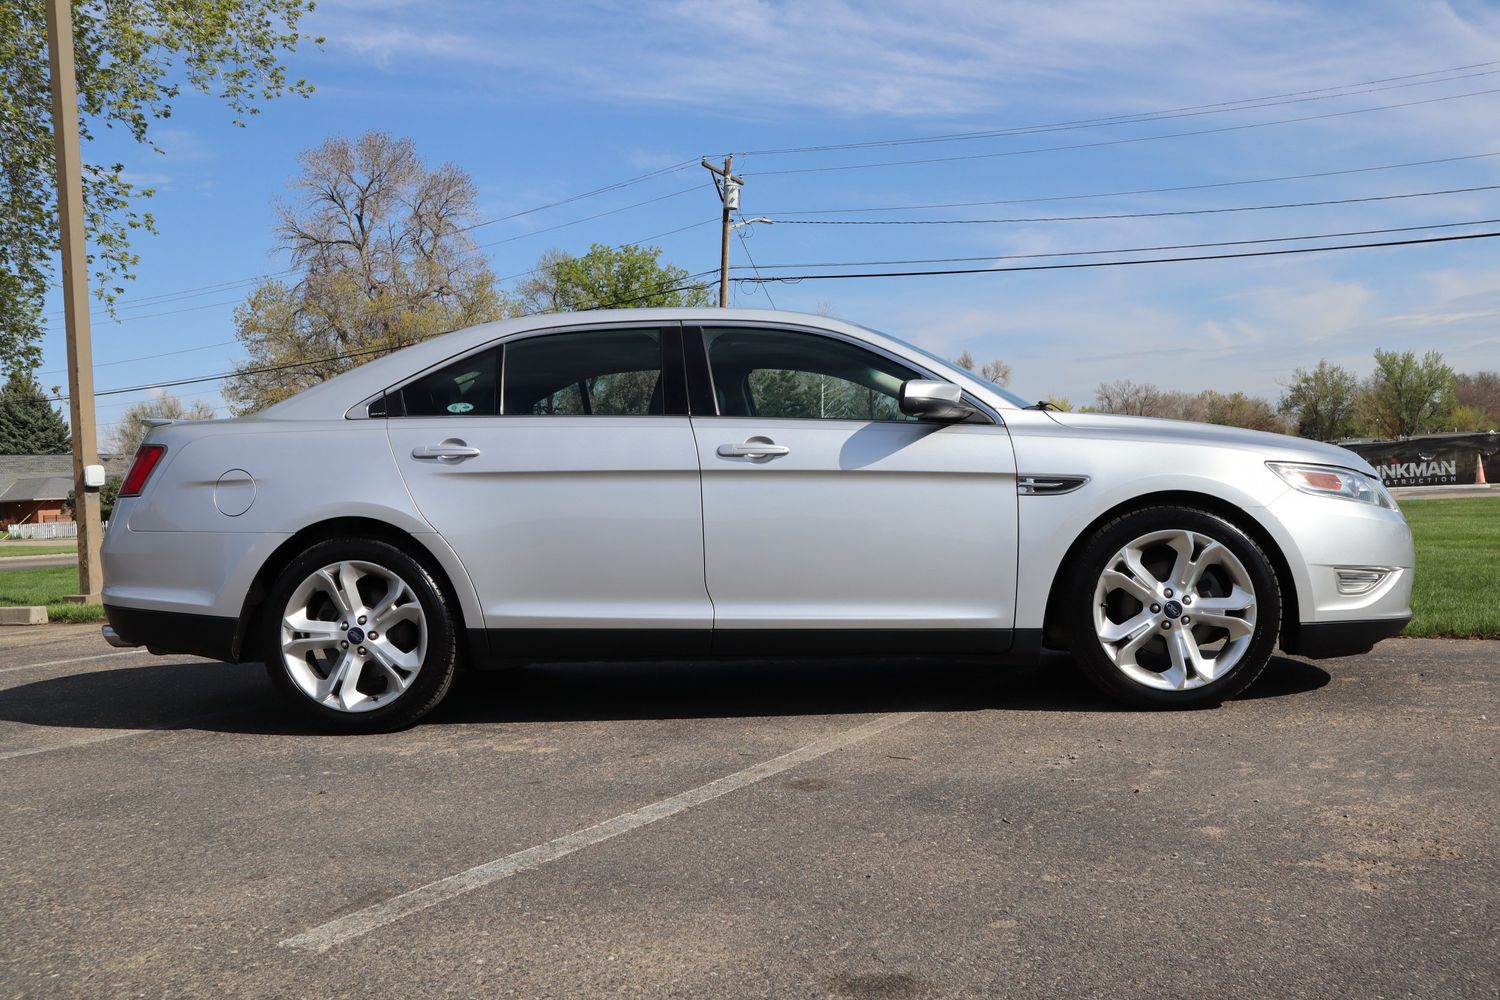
x=617, y=246
x=794, y=278
x=170, y=312
x=1221, y=107
x=683, y=165
x=1150, y=249
x=151, y=357
x=1138, y=191
x=587, y=218
x=740, y=232
x=1130, y=215
x=190, y=293
x=225, y=343
x=628, y=182
x=1117, y=142
x=675, y=168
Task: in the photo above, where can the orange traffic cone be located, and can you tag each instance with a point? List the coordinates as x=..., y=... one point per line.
x=1479, y=479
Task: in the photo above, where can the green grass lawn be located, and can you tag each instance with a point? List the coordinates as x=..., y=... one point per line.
x=1457, y=589
x=47, y=585
x=13, y=550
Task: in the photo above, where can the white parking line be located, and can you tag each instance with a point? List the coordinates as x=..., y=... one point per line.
x=76, y=659
x=116, y=735
x=363, y=921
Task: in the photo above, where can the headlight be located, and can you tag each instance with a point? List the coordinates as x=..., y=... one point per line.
x=1329, y=481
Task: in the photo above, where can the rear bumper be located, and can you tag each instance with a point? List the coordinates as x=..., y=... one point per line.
x=1322, y=640
x=172, y=631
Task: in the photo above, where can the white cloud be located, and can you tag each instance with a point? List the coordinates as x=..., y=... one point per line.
x=180, y=146
x=146, y=179
x=941, y=58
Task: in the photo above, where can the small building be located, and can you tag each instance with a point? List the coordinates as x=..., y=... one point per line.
x=35, y=488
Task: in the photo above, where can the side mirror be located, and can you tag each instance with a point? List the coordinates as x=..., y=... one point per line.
x=931, y=400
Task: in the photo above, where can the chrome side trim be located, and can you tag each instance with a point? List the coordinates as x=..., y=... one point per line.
x=1049, y=485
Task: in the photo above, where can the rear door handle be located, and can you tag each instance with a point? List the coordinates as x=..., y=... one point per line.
x=450, y=450
x=756, y=447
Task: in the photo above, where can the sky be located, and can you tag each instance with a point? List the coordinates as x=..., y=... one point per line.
x=540, y=102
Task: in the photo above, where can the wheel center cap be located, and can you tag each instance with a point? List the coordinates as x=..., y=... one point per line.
x=356, y=634
x=1172, y=609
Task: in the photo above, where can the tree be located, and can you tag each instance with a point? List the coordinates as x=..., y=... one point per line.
x=995, y=370
x=1236, y=409
x=29, y=425
x=1321, y=402
x=1125, y=396
x=133, y=59
x=606, y=277
x=1480, y=392
x=1469, y=418
x=132, y=428
x=109, y=495
x=1405, y=397
x=383, y=258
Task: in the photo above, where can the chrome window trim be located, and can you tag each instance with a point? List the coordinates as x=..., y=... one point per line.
x=982, y=407
x=361, y=410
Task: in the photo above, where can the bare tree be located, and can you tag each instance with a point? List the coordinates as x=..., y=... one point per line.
x=1127, y=397
x=127, y=435
x=1239, y=410
x=383, y=257
x=1481, y=393
x=995, y=370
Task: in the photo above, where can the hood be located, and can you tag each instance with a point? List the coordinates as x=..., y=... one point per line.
x=1277, y=447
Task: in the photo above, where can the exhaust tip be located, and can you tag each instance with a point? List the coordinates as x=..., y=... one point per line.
x=115, y=639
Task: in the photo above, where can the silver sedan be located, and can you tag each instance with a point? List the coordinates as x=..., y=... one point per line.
x=697, y=483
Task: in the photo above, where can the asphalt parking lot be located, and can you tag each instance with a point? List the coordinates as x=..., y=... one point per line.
x=905, y=828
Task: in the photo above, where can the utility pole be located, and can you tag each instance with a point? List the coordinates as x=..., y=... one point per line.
x=729, y=194
x=87, y=476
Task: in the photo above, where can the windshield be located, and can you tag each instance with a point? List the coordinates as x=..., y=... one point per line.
x=944, y=363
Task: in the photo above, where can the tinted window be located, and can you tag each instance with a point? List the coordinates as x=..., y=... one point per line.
x=602, y=373
x=465, y=388
x=780, y=373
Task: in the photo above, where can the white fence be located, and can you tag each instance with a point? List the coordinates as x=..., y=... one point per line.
x=59, y=529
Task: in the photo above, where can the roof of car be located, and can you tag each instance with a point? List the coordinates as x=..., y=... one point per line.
x=332, y=399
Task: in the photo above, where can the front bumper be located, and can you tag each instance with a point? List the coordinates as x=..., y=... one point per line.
x=1321, y=537
x=1322, y=640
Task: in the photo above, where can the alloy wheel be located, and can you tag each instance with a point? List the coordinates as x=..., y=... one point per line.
x=1174, y=610
x=353, y=636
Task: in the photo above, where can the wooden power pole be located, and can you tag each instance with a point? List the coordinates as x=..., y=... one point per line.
x=75, y=296
x=729, y=194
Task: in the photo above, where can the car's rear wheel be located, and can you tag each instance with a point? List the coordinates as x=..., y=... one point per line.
x=1173, y=607
x=360, y=634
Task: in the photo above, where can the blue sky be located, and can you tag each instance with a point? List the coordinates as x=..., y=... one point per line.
x=540, y=102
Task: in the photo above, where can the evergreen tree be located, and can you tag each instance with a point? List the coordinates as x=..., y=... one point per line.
x=28, y=423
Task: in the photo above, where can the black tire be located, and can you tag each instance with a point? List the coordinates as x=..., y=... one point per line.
x=433, y=677
x=1097, y=555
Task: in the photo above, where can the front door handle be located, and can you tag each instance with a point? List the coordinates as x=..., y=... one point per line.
x=451, y=450
x=756, y=447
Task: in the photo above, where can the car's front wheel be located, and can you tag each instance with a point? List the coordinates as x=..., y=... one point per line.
x=359, y=633
x=1173, y=607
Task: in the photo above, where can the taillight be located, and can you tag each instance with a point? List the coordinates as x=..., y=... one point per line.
x=140, y=470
